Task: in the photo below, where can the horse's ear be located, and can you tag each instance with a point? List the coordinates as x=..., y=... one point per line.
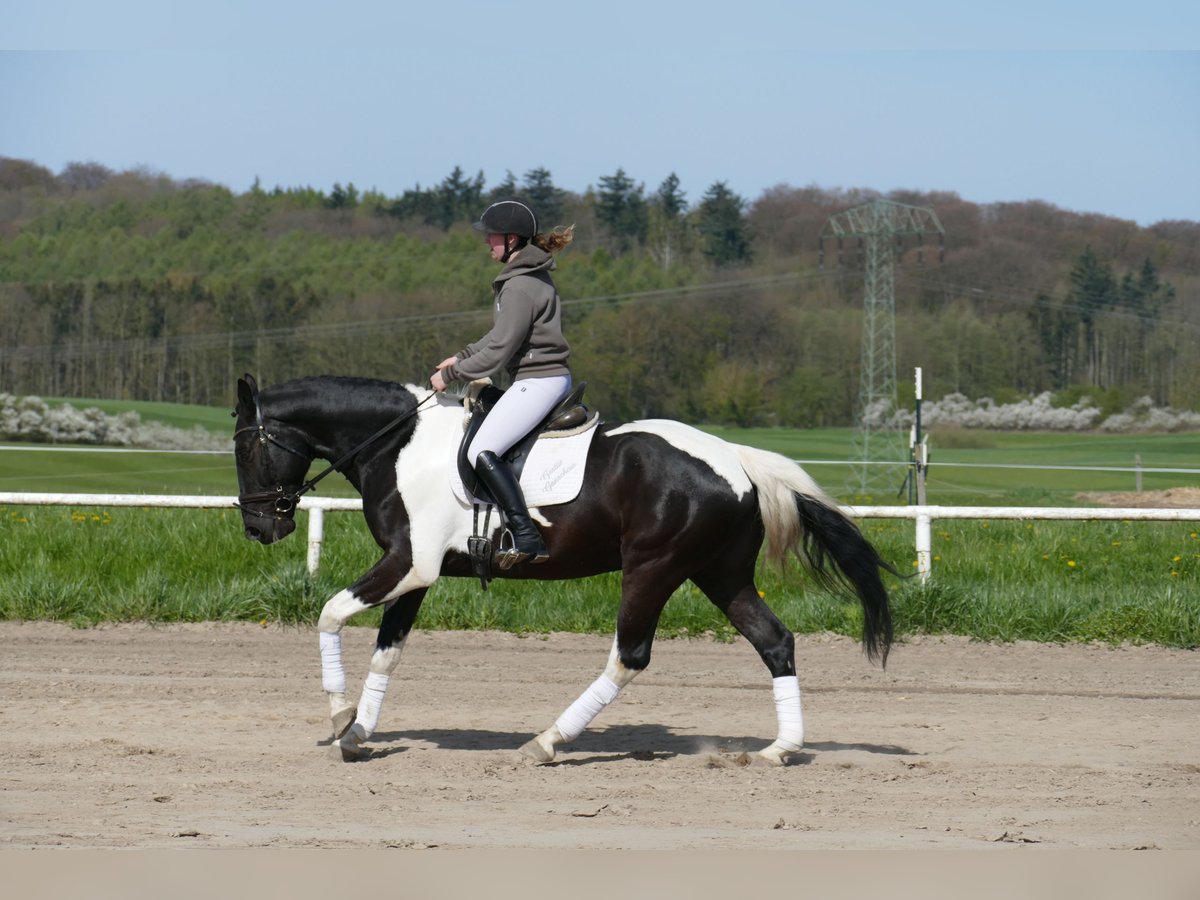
x=247, y=387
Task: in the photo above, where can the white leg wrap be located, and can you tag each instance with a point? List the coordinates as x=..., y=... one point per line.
x=591, y=702
x=787, y=711
x=371, y=702
x=333, y=675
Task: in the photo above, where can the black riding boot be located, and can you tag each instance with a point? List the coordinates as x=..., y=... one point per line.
x=497, y=476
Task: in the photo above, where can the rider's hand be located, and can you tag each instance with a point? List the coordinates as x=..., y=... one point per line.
x=437, y=381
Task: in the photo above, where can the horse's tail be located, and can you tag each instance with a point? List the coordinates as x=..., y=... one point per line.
x=802, y=519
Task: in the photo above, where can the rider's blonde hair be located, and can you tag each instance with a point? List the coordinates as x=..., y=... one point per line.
x=554, y=240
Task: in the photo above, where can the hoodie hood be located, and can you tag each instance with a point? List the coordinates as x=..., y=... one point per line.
x=530, y=260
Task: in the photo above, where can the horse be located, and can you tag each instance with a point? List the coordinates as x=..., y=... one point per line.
x=660, y=501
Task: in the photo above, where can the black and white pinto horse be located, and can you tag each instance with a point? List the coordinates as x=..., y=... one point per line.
x=660, y=501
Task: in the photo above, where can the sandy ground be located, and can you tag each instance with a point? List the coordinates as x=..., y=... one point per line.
x=216, y=736
x=1171, y=498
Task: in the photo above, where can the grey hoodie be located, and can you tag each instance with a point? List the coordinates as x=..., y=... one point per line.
x=526, y=337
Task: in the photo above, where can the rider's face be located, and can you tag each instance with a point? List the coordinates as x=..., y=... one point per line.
x=496, y=243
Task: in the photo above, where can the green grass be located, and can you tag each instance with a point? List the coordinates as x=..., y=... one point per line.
x=1056, y=581
x=999, y=580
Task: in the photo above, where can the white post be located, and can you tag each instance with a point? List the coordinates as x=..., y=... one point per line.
x=924, y=544
x=316, y=534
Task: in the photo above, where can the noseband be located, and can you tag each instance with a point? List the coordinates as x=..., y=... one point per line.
x=284, y=502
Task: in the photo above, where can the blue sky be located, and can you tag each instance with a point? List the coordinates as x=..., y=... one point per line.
x=1091, y=106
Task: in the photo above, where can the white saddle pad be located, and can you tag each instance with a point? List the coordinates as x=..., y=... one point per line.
x=552, y=474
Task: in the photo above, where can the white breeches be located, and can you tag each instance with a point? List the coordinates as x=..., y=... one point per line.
x=522, y=407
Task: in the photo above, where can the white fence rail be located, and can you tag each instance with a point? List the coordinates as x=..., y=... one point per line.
x=923, y=516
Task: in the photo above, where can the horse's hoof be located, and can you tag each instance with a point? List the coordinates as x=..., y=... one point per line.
x=346, y=751
x=535, y=752
x=773, y=756
x=350, y=747
x=342, y=720
x=765, y=760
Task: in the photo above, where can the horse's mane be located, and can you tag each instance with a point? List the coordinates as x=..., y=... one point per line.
x=349, y=395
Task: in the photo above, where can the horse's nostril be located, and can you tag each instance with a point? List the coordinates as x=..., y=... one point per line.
x=252, y=534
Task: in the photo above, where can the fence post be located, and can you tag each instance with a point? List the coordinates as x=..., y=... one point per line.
x=1137, y=472
x=316, y=534
x=924, y=544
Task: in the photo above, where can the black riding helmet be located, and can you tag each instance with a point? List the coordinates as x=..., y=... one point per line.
x=508, y=217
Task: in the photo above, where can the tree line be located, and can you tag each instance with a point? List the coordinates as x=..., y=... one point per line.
x=134, y=285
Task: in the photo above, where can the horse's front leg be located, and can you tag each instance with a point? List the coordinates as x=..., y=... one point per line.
x=398, y=619
x=381, y=583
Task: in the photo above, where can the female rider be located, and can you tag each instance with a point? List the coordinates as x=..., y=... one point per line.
x=526, y=340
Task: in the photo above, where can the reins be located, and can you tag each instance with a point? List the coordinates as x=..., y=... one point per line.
x=285, y=503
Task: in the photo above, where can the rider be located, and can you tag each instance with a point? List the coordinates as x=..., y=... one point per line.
x=526, y=340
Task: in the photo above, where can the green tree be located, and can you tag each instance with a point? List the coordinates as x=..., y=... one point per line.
x=668, y=232
x=734, y=394
x=722, y=227
x=547, y=200
x=670, y=199
x=1057, y=332
x=1093, y=290
x=621, y=208
x=456, y=199
x=505, y=190
x=807, y=398
x=342, y=197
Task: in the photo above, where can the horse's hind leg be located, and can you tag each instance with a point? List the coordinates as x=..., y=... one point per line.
x=576, y=717
x=629, y=657
x=777, y=648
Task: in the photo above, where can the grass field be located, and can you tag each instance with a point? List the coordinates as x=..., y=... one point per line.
x=1110, y=581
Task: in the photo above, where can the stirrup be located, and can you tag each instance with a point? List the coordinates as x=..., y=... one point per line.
x=508, y=556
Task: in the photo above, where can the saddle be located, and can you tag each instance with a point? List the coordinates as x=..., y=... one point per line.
x=569, y=416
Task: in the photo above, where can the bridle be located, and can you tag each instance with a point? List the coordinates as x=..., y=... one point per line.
x=284, y=502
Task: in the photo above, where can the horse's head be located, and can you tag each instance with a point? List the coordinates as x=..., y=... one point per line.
x=272, y=460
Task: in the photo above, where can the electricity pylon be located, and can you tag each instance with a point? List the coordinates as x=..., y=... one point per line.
x=879, y=225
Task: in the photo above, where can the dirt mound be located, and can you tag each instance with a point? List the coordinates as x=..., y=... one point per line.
x=1172, y=498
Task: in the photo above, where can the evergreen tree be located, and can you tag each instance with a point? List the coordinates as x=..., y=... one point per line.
x=621, y=208
x=669, y=199
x=547, y=200
x=456, y=199
x=1056, y=330
x=505, y=190
x=1093, y=290
x=342, y=197
x=667, y=240
x=722, y=228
